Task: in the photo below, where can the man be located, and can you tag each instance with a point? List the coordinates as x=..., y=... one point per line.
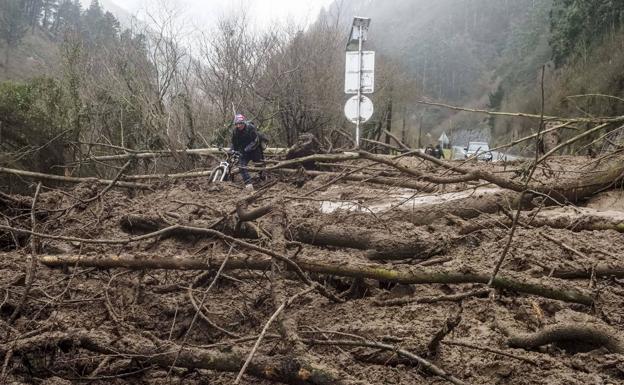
x=438, y=152
x=245, y=139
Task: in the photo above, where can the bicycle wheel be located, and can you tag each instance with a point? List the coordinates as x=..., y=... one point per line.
x=216, y=175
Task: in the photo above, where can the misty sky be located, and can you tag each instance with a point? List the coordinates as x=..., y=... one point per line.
x=263, y=12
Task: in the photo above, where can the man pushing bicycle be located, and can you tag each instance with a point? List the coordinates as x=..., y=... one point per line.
x=247, y=141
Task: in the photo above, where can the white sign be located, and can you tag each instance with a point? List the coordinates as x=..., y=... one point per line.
x=366, y=109
x=352, y=72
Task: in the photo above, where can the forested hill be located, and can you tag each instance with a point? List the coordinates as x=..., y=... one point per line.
x=454, y=47
x=489, y=53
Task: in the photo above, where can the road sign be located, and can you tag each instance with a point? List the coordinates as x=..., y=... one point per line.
x=351, y=109
x=352, y=72
x=444, y=139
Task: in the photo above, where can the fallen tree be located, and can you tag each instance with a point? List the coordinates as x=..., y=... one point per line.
x=598, y=335
x=167, y=354
x=379, y=244
x=471, y=205
x=143, y=224
x=576, y=219
x=71, y=179
x=374, y=179
x=573, y=190
x=555, y=290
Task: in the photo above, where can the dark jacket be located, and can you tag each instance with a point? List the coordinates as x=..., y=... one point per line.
x=247, y=142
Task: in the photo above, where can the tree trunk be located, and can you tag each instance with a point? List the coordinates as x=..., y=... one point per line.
x=380, y=244
x=167, y=354
x=578, y=219
x=70, y=179
x=572, y=333
x=141, y=224
x=554, y=289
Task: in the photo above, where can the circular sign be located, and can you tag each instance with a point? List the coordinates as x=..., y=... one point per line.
x=351, y=109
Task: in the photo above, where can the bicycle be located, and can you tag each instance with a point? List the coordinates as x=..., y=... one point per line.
x=223, y=171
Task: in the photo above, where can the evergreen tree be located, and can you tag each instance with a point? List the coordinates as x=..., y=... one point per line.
x=13, y=25
x=67, y=17
x=576, y=25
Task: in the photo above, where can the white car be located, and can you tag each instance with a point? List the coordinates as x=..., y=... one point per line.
x=480, y=149
x=458, y=153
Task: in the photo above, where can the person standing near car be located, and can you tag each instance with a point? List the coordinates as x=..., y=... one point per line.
x=438, y=152
x=247, y=141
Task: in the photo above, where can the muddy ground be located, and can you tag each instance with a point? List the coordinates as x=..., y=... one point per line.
x=155, y=303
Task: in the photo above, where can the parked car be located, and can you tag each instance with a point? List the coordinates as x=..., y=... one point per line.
x=458, y=153
x=480, y=149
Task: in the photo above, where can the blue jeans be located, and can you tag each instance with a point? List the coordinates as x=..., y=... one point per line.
x=244, y=161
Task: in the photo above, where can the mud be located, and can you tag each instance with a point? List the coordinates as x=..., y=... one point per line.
x=132, y=303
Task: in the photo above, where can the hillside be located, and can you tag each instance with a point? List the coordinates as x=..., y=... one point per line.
x=489, y=54
x=36, y=55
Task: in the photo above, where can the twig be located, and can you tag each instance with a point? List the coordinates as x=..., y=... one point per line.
x=402, y=352
x=266, y=327
x=206, y=319
x=449, y=325
x=615, y=119
x=595, y=95
x=69, y=179
x=442, y=298
x=5, y=365
x=399, y=142
x=491, y=350
x=434, y=261
x=563, y=245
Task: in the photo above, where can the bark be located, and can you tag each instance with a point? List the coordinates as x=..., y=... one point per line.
x=554, y=289
x=306, y=145
x=140, y=224
x=166, y=354
x=576, y=333
x=595, y=271
x=484, y=202
x=245, y=215
x=579, y=219
x=380, y=244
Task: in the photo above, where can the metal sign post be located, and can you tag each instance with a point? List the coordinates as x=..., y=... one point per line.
x=364, y=76
x=359, y=94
